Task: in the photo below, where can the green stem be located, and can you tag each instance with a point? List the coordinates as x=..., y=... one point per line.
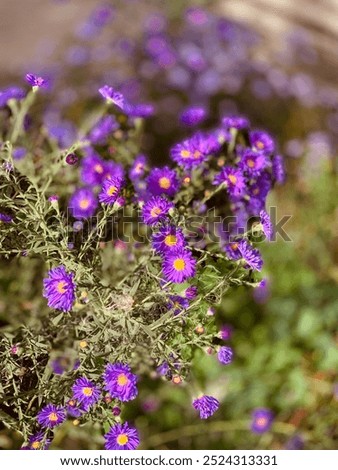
x=19, y=118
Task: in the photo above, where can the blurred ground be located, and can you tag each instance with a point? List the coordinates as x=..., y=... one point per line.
x=274, y=18
x=33, y=28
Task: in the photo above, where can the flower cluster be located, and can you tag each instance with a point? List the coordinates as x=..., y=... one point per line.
x=136, y=265
x=119, y=381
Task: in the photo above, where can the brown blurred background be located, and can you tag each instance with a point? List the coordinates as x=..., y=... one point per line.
x=31, y=29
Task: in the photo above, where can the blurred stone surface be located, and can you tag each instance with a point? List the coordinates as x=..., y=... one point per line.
x=274, y=19
x=31, y=30
x=34, y=28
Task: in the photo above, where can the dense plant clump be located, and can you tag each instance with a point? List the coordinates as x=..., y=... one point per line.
x=134, y=257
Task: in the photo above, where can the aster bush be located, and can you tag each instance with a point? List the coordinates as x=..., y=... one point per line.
x=119, y=261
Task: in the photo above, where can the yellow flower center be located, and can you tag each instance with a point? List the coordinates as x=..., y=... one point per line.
x=234, y=246
x=251, y=163
x=98, y=168
x=187, y=180
x=139, y=167
x=84, y=203
x=233, y=179
x=112, y=190
x=122, y=439
x=164, y=182
x=261, y=422
x=71, y=403
x=259, y=145
x=61, y=287
x=197, y=154
x=185, y=153
x=179, y=264
x=170, y=240
x=35, y=445
x=122, y=379
x=177, y=379
x=53, y=417
x=155, y=212
x=87, y=391
x=83, y=344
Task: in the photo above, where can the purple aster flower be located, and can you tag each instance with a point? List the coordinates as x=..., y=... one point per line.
x=110, y=190
x=235, y=122
x=163, y=368
x=138, y=167
x=192, y=152
x=253, y=163
x=262, y=419
x=10, y=93
x=261, y=292
x=193, y=115
x=65, y=133
x=53, y=198
x=295, y=442
x=225, y=332
x=113, y=170
x=102, y=129
x=83, y=203
x=150, y=404
x=167, y=239
x=156, y=210
x=191, y=292
x=75, y=409
x=120, y=382
x=8, y=166
x=211, y=311
x=14, y=349
x=36, y=81
x=262, y=142
x=225, y=354
x=206, y=405
x=221, y=136
x=59, y=365
x=197, y=16
x=72, y=159
x=139, y=110
x=92, y=170
x=178, y=266
x=51, y=416
x=178, y=303
x=19, y=153
x=116, y=411
x=85, y=392
x=258, y=192
x=121, y=437
x=278, y=169
x=140, y=187
x=266, y=224
x=5, y=218
x=39, y=441
x=252, y=256
x=59, y=289
x=234, y=180
x=163, y=181
x=112, y=96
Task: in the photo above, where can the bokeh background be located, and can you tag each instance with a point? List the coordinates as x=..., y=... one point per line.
x=274, y=61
